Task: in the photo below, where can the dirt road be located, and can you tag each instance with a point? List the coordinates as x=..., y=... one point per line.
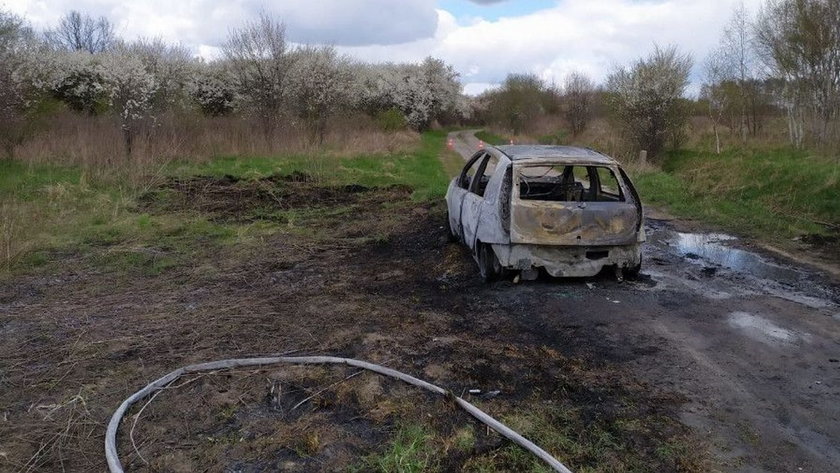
x=464, y=142
x=753, y=342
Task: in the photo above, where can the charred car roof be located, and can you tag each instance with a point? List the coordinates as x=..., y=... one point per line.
x=572, y=154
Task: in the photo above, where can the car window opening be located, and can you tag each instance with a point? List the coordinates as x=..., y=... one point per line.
x=560, y=183
x=484, y=167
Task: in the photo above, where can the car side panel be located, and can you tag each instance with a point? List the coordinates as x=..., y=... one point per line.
x=470, y=213
x=454, y=199
x=490, y=228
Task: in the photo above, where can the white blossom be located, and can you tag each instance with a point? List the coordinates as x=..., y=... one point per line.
x=128, y=85
x=211, y=87
x=17, y=96
x=170, y=65
x=319, y=82
x=73, y=77
x=421, y=91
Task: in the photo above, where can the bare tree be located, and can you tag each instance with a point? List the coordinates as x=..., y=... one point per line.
x=578, y=95
x=260, y=63
x=800, y=41
x=647, y=97
x=716, y=72
x=737, y=55
x=81, y=32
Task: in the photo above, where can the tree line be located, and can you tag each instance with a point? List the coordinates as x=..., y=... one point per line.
x=645, y=100
x=780, y=64
x=83, y=66
x=783, y=62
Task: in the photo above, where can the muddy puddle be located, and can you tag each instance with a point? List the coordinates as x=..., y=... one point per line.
x=764, y=330
x=717, y=255
x=714, y=248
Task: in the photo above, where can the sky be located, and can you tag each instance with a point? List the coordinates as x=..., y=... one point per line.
x=483, y=39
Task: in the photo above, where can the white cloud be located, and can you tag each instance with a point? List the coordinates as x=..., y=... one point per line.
x=592, y=37
x=207, y=22
x=477, y=88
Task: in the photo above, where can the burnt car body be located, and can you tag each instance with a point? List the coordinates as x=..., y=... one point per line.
x=570, y=211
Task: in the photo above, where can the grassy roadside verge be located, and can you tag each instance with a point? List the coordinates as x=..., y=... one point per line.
x=48, y=208
x=772, y=195
x=491, y=138
x=419, y=169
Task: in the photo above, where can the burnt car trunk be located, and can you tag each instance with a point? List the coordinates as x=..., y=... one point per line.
x=587, y=223
x=545, y=212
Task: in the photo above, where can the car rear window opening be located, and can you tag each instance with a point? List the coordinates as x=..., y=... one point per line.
x=564, y=183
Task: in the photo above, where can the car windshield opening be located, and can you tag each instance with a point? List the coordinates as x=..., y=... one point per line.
x=569, y=183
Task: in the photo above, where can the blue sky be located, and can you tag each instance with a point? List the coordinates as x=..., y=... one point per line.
x=465, y=10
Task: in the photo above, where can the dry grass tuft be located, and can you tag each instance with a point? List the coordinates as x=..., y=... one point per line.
x=95, y=143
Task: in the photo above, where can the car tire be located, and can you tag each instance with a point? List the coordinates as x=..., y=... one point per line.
x=634, y=272
x=488, y=264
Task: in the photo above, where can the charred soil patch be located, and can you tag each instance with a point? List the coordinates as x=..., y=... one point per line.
x=232, y=199
x=78, y=340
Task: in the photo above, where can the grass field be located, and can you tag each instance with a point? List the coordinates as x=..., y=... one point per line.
x=47, y=208
x=492, y=138
x=771, y=195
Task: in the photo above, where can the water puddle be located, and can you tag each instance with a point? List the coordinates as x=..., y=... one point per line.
x=761, y=329
x=711, y=248
x=716, y=255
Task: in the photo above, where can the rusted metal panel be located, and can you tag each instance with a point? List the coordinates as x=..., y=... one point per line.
x=552, y=223
x=571, y=223
x=564, y=261
x=490, y=224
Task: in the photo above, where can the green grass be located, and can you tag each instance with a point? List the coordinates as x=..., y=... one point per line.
x=492, y=138
x=588, y=445
x=557, y=138
x=412, y=450
x=48, y=208
x=772, y=195
x=27, y=182
x=421, y=169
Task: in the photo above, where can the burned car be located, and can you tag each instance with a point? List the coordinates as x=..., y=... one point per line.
x=569, y=211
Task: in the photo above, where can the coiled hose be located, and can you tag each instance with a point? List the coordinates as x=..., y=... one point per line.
x=111, y=455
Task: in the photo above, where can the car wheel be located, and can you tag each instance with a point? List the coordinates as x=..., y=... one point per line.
x=633, y=273
x=488, y=264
